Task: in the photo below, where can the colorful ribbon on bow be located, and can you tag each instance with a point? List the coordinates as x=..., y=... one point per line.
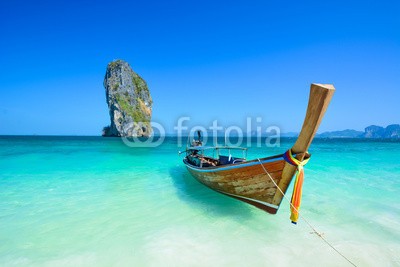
x=298, y=184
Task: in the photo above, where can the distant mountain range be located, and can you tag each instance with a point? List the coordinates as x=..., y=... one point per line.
x=390, y=132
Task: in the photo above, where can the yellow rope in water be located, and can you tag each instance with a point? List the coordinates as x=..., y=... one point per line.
x=304, y=219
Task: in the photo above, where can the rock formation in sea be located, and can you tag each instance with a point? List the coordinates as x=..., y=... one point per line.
x=129, y=101
x=390, y=132
x=374, y=131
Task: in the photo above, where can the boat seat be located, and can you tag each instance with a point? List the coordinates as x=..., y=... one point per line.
x=223, y=160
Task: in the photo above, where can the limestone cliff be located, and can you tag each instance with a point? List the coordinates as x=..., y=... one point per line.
x=129, y=101
x=376, y=132
x=392, y=131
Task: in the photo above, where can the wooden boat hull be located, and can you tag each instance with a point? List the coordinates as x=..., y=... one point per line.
x=245, y=181
x=248, y=181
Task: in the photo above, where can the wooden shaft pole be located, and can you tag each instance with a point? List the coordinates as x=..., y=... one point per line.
x=320, y=96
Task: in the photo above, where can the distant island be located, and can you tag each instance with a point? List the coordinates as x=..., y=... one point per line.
x=390, y=132
x=373, y=132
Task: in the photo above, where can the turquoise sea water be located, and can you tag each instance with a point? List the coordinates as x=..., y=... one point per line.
x=92, y=201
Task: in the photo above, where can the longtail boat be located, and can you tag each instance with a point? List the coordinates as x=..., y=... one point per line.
x=261, y=182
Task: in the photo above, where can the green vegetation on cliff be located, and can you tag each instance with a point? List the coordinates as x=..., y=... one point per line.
x=136, y=112
x=141, y=88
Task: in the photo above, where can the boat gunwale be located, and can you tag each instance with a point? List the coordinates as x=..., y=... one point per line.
x=232, y=165
x=216, y=147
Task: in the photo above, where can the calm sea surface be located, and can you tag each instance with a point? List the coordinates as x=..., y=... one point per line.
x=92, y=201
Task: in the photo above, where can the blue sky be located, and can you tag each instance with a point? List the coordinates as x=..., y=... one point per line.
x=209, y=60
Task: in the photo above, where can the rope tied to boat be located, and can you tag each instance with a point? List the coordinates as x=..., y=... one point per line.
x=314, y=230
x=298, y=184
